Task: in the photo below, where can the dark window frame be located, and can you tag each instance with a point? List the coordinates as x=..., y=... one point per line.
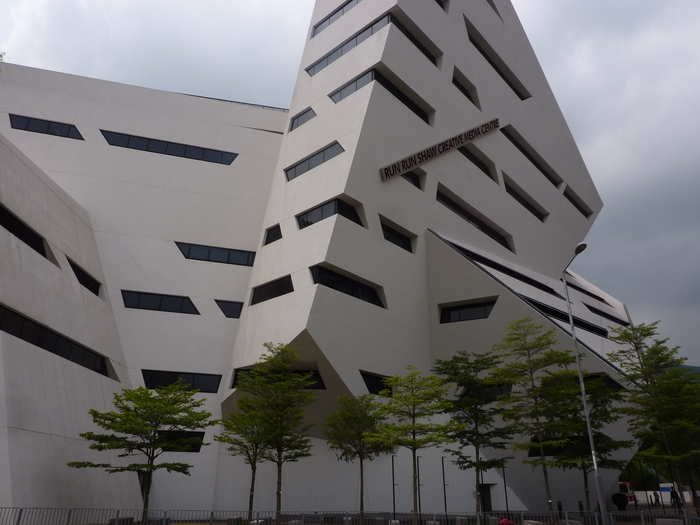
x=19, y=229
x=50, y=340
x=272, y=234
x=232, y=255
x=271, y=290
x=606, y=315
x=560, y=315
x=373, y=380
x=165, y=147
x=52, y=126
x=525, y=200
x=466, y=87
x=577, y=202
x=301, y=118
x=397, y=235
x=326, y=210
x=344, y=283
x=335, y=15
x=194, y=380
x=317, y=158
x=230, y=309
x=84, y=277
x=479, y=159
x=524, y=147
x=193, y=447
x=158, y=302
x=469, y=310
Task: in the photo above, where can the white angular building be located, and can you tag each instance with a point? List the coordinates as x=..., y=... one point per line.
x=422, y=191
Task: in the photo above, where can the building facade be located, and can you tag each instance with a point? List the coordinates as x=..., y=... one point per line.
x=422, y=191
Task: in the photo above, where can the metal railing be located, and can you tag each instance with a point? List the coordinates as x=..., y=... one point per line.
x=97, y=516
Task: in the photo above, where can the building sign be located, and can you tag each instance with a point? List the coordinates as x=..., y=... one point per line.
x=413, y=161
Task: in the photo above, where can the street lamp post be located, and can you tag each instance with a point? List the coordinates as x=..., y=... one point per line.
x=586, y=414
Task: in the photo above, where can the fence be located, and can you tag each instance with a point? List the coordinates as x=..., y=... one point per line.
x=92, y=516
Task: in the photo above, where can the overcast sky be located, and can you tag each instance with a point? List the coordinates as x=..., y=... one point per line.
x=626, y=74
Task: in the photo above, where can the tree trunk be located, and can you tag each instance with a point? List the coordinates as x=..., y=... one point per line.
x=362, y=492
x=547, y=488
x=146, y=494
x=415, y=482
x=586, y=490
x=251, y=497
x=278, y=505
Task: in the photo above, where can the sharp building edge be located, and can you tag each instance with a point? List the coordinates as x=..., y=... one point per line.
x=147, y=233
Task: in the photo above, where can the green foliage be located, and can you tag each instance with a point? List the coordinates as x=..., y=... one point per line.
x=143, y=424
x=529, y=355
x=413, y=401
x=662, y=400
x=276, y=392
x=347, y=432
x=477, y=419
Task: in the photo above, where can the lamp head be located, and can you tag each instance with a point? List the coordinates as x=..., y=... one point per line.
x=580, y=248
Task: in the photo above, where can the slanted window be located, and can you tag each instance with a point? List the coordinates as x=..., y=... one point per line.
x=200, y=252
x=397, y=235
x=230, y=309
x=442, y=3
x=180, y=440
x=164, y=147
x=272, y=234
x=496, y=62
x=480, y=160
x=24, y=233
x=301, y=118
x=362, y=35
x=524, y=199
x=84, y=278
x=272, y=289
x=204, y=383
x=586, y=292
x=473, y=217
x=325, y=154
x=467, y=311
x=606, y=315
x=504, y=269
x=577, y=202
x=375, y=383
x=47, y=127
x=333, y=16
x=492, y=3
x=415, y=177
x=462, y=83
x=559, y=315
x=328, y=209
x=347, y=285
x=530, y=154
x=159, y=302
x=22, y=327
x=408, y=100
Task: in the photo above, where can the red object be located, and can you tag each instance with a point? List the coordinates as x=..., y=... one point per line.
x=505, y=521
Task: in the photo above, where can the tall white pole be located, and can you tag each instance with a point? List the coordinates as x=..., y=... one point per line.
x=582, y=385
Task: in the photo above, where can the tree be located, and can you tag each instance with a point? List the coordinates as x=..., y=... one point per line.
x=278, y=393
x=347, y=431
x=476, y=417
x=528, y=351
x=145, y=424
x=662, y=399
x=562, y=407
x=413, y=401
x=246, y=432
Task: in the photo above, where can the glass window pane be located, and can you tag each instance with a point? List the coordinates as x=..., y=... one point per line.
x=38, y=125
x=131, y=299
x=188, y=306
x=19, y=122
x=194, y=152
x=149, y=301
x=170, y=303
x=201, y=253
x=58, y=129
x=177, y=150
x=212, y=155
x=364, y=35
x=218, y=255
x=74, y=133
x=138, y=143
x=157, y=146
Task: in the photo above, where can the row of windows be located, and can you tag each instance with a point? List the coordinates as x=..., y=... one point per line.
x=462, y=83
x=449, y=200
x=49, y=127
x=327, y=153
x=160, y=302
x=313, y=374
x=301, y=118
x=606, y=315
x=348, y=89
x=270, y=290
x=504, y=269
x=178, y=304
x=24, y=232
x=524, y=199
x=28, y=330
x=576, y=201
x=480, y=160
x=560, y=315
x=84, y=278
x=333, y=16
x=496, y=62
x=328, y=209
x=347, y=285
x=359, y=37
x=469, y=311
x=205, y=383
x=200, y=252
x=165, y=147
